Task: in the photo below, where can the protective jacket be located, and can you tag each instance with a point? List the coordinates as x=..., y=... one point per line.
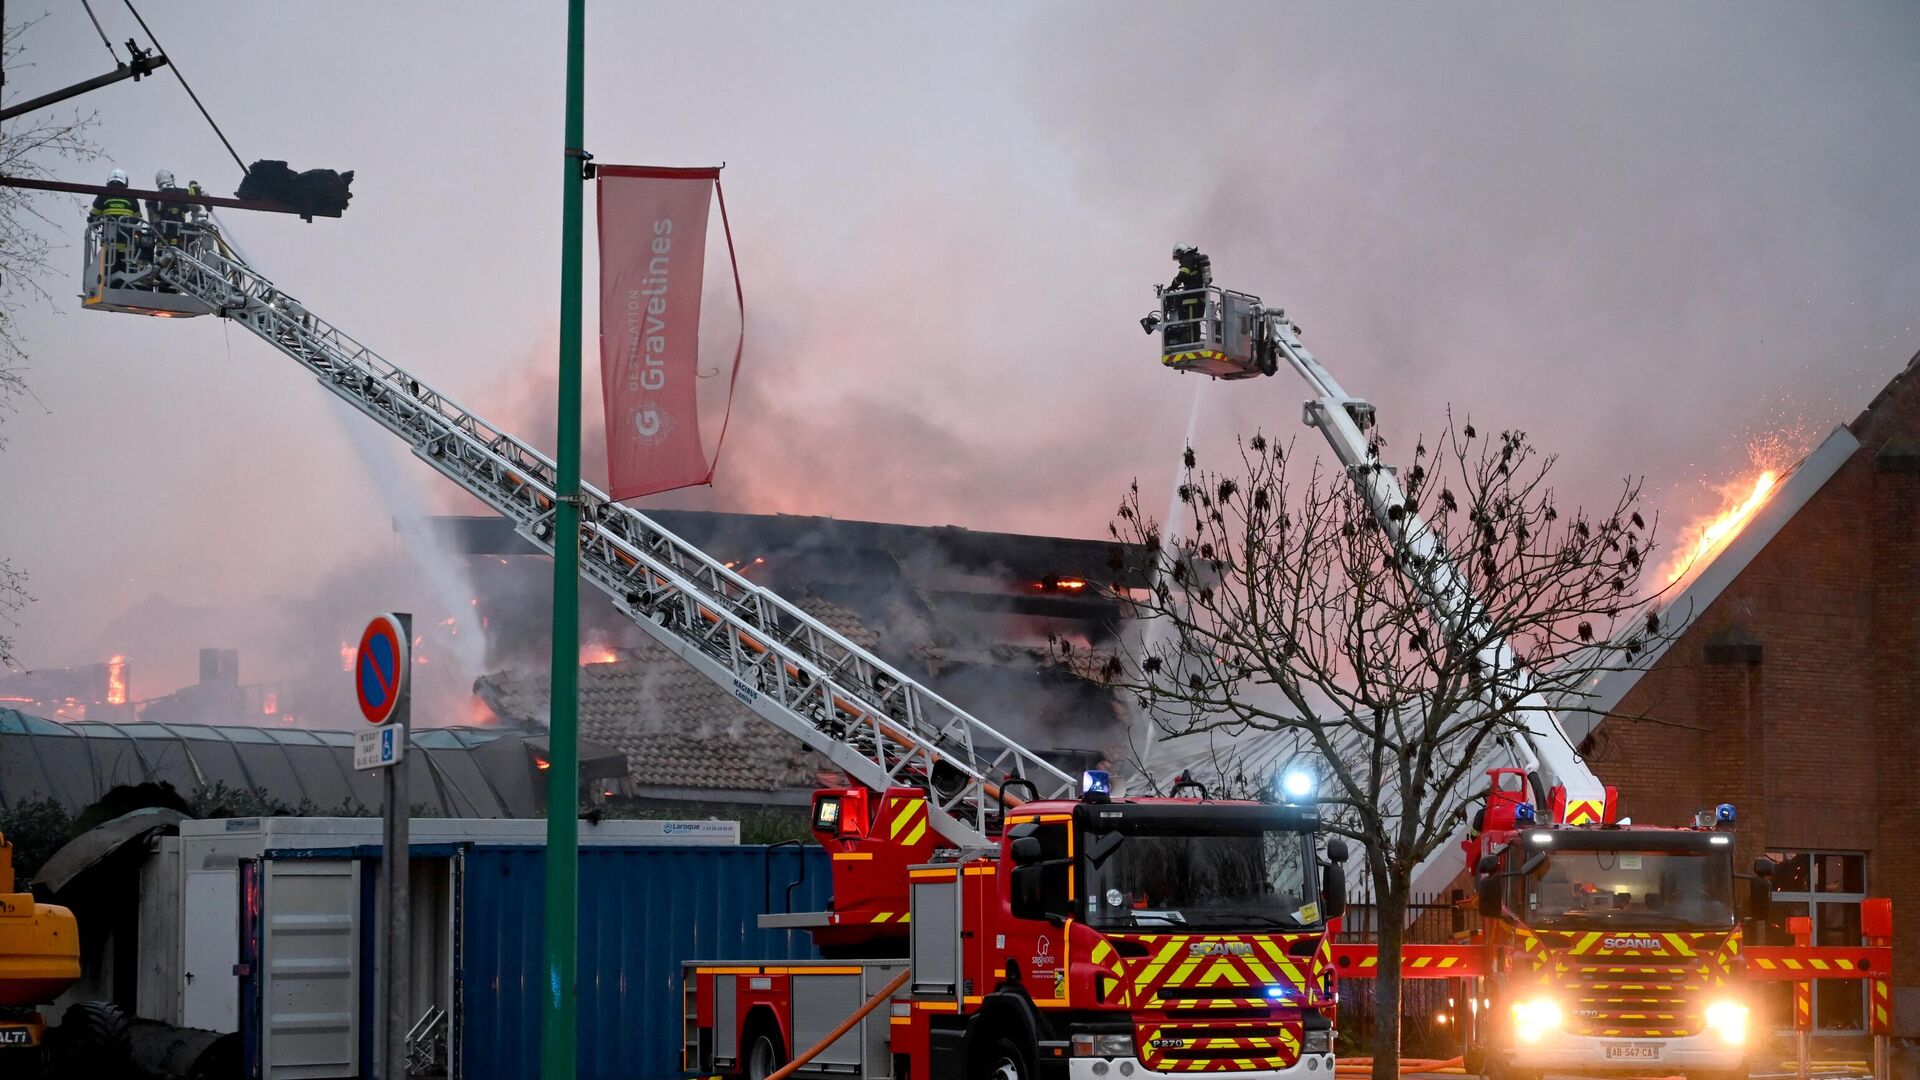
x=105, y=205
x=168, y=217
x=1194, y=273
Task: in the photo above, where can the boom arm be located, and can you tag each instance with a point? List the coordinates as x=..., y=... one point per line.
x=1539, y=745
x=797, y=673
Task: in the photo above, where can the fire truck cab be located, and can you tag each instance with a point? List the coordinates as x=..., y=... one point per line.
x=1099, y=939
x=1616, y=948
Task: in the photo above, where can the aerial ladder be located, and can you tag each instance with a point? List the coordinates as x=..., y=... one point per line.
x=1232, y=335
x=1610, y=980
x=950, y=821
x=869, y=719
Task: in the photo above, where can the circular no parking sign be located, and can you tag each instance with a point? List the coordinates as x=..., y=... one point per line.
x=380, y=669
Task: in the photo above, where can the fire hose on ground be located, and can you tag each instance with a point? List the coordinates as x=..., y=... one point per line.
x=846, y=1025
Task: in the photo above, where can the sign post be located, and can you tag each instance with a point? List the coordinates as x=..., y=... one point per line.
x=381, y=682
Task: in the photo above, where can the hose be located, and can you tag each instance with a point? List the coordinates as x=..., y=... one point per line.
x=845, y=1025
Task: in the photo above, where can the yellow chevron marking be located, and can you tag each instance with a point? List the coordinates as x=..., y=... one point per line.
x=1101, y=950
x=882, y=916
x=919, y=831
x=1260, y=970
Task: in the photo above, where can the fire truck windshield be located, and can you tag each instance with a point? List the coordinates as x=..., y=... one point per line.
x=1644, y=889
x=1241, y=880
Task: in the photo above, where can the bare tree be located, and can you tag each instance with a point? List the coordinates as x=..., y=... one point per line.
x=1289, y=608
x=30, y=146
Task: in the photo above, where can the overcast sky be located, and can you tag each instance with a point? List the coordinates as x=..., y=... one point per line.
x=1645, y=233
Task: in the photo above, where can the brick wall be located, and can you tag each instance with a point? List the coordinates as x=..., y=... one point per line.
x=1795, y=695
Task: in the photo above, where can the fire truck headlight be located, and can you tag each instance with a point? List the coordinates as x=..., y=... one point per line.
x=1728, y=1019
x=1535, y=1019
x=1317, y=1042
x=1103, y=1046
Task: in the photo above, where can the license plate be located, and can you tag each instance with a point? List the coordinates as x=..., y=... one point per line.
x=1632, y=1052
x=15, y=1037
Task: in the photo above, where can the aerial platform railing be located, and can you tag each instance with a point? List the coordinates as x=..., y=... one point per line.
x=864, y=715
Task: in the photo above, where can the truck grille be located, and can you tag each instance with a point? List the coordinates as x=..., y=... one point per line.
x=1174, y=1046
x=1636, y=1000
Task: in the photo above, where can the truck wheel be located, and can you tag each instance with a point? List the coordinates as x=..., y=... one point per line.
x=1002, y=1058
x=763, y=1054
x=92, y=1040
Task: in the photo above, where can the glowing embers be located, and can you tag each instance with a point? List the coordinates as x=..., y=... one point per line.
x=1707, y=537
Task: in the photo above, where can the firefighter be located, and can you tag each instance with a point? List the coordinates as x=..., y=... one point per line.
x=1195, y=274
x=119, y=215
x=1196, y=270
x=169, y=218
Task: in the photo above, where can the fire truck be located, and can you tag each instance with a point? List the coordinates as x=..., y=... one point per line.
x=1612, y=948
x=1100, y=937
x=1015, y=922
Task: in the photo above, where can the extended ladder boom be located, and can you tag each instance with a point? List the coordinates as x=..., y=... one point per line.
x=864, y=715
x=1540, y=746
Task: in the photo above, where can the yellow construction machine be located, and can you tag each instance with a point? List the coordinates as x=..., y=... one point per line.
x=39, y=960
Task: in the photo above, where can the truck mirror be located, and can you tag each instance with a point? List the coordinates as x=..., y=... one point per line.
x=1333, y=888
x=1026, y=851
x=1534, y=862
x=1759, y=898
x=1763, y=867
x=1488, y=889
x=1027, y=898
x=1336, y=850
x=1489, y=864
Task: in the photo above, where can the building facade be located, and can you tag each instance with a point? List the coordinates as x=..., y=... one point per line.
x=1793, y=692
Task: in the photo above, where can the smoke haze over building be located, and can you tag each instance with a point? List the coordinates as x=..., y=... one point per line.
x=1643, y=234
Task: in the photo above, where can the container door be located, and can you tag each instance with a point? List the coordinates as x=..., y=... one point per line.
x=310, y=969
x=209, y=948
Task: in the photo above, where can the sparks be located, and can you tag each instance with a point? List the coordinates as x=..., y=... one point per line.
x=1708, y=536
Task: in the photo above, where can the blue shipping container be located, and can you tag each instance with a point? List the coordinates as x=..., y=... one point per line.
x=643, y=912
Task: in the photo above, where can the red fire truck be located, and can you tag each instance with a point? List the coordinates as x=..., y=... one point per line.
x=1097, y=939
x=1615, y=948
x=1609, y=948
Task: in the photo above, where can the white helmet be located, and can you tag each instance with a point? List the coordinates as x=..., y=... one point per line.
x=117, y=176
x=163, y=179
x=1184, y=249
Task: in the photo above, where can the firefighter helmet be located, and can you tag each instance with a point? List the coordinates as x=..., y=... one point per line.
x=1181, y=251
x=163, y=179
x=117, y=176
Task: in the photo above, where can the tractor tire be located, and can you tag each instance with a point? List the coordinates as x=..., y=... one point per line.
x=761, y=1051
x=92, y=1040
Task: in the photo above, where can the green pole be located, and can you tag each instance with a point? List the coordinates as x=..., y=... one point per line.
x=558, y=1022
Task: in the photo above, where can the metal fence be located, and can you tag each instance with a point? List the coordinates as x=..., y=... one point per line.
x=1429, y=1008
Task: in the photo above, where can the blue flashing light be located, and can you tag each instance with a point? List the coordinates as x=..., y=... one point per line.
x=1523, y=814
x=1279, y=993
x=1724, y=813
x=1095, y=782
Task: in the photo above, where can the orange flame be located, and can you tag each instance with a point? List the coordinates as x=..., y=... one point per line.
x=595, y=652
x=117, y=681
x=269, y=703
x=1708, y=536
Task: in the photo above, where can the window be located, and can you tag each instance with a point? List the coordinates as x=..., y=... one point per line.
x=1827, y=887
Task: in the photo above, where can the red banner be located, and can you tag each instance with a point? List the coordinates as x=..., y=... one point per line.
x=653, y=238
